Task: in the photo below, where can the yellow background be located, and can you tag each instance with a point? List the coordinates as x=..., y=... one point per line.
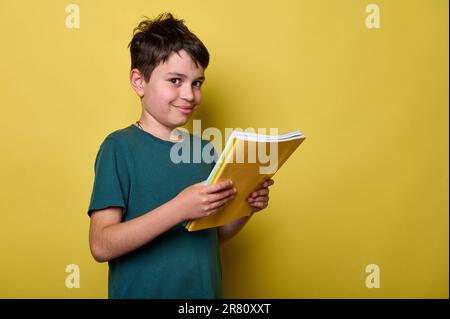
x=369, y=185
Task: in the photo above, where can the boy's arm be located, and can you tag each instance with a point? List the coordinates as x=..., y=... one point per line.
x=229, y=230
x=110, y=238
x=258, y=200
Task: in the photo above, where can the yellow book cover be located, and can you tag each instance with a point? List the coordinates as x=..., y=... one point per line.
x=247, y=159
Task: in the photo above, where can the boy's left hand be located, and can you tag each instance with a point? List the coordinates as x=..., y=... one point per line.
x=259, y=199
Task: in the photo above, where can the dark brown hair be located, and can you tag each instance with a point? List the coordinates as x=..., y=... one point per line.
x=155, y=40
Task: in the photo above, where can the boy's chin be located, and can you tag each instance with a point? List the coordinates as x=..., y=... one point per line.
x=183, y=121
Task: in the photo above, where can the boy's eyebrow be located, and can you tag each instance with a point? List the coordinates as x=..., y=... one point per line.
x=184, y=75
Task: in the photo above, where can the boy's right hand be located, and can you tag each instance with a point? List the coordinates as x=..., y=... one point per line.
x=200, y=200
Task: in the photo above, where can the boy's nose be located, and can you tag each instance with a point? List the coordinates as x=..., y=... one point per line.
x=187, y=93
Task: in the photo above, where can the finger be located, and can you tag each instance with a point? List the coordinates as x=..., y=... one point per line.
x=264, y=199
x=259, y=205
x=211, y=211
x=259, y=192
x=220, y=203
x=268, y=182
x=216, y=187
x=220, y=195
x=255, y=193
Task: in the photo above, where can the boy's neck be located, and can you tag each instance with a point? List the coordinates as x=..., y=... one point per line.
x=153, y=127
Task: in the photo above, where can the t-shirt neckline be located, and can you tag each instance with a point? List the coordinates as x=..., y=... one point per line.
x=134, y=126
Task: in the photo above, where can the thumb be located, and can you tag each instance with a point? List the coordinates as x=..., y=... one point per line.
x=202, y=183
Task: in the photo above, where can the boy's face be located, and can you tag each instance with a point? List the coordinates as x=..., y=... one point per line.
x=173, y=90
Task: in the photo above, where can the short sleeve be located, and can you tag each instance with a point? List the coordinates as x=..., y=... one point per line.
x=112, y=182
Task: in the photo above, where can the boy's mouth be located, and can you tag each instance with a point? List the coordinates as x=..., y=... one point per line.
x=185, y=109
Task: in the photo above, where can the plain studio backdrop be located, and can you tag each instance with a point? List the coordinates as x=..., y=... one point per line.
x=359, y=211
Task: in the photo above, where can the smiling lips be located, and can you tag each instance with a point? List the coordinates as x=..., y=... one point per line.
x=185, y=109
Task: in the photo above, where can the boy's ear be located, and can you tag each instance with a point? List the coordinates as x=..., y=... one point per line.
x=137, y=82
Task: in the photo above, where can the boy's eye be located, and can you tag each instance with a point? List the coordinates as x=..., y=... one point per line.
x=174, y=81
x=196, y=83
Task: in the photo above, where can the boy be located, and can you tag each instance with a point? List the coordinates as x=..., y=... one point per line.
x=141, y=199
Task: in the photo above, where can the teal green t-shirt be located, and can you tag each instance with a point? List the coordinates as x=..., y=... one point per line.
x=134, y=170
